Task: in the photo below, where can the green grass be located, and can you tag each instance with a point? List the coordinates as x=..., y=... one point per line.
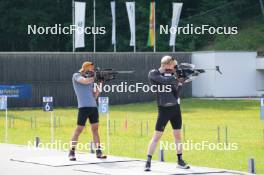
x=200, y=118
x=250, y=37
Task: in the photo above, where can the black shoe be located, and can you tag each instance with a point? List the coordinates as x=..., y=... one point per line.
x=183, y=165
x=100, y=155
x=147, y=166
x=72, y=155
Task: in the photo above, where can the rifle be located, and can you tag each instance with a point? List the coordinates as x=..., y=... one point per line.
x=189, y=73
x=105, y=74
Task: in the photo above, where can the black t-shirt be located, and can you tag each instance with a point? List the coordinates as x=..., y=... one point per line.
x=165, y=98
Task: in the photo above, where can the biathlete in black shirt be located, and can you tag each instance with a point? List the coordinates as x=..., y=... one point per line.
x=168, y=107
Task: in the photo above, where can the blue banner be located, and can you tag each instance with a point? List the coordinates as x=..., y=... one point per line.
x=16, y=91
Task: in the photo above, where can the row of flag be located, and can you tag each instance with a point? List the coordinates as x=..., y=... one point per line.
x=79, y=20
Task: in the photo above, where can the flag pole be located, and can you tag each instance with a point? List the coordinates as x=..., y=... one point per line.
x=73, y=23
x=154, y=48
x=51, y=127
x=94, y=26
x=6, y=126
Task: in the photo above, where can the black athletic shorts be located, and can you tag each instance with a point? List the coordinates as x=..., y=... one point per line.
x=172, y=114
x=87, y=112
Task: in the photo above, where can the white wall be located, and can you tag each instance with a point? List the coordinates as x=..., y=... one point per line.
x=238, y=79
x=203, y=85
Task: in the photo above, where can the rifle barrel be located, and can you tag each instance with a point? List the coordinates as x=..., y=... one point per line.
x=206, y=69
x=125, y=72
x=217, y=68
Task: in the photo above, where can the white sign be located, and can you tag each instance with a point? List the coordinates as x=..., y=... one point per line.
x=3, y=102
x=113, y=22
x=132, y=21
x=103, y=104
x=175, y=20
x=79, y=24
x=47, y=99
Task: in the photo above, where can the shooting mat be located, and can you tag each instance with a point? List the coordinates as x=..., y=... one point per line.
x=60, y=161
x=137, y=167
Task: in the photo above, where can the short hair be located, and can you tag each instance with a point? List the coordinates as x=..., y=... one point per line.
x=86, y=65
x=168, y=60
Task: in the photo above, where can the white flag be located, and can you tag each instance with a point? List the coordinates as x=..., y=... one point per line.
x=113, y=22
x=79, y=24
x=132, y=21
x=175, y=20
